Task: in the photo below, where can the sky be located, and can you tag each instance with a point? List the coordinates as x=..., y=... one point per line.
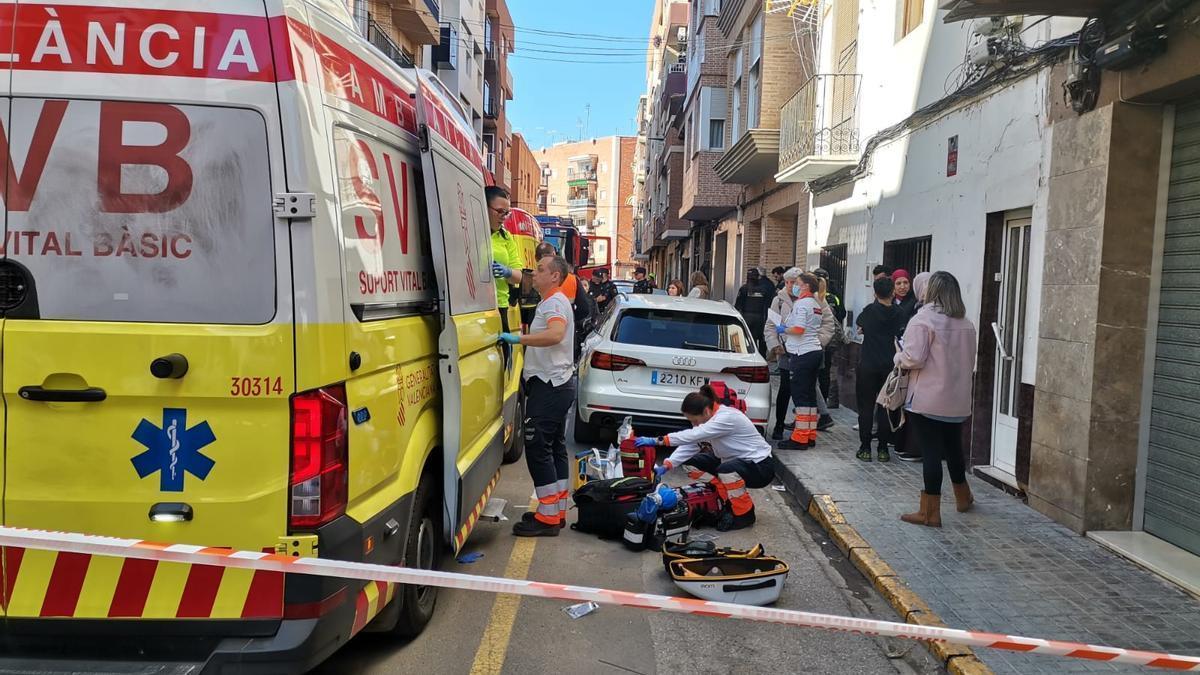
x=571, y=54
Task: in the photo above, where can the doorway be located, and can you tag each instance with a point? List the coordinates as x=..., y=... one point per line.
x=1009, y=329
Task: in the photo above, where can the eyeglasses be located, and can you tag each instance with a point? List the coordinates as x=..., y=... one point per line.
x=502, y=212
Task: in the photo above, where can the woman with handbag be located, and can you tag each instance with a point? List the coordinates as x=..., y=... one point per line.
x=879, y=323
x=939, y=355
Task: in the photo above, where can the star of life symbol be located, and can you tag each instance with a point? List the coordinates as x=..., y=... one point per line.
x=173, y=449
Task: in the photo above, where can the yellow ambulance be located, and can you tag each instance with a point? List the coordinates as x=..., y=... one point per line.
x=246, y=302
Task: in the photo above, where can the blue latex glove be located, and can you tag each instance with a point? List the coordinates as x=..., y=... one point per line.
x=659, y=470
x=645, y=441
x=781, y=330
x=500, y=271
x=510, y=338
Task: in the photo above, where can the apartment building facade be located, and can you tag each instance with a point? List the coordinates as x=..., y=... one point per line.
x=1069, y=221
x=401, y=29
x=769, y=58
x=459, y=59
x=584, y=180
x=526, y=175
x=706, y=200
x=498, y=37
x=658, y=161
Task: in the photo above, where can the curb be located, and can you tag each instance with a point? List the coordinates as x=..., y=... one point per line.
x=958, y=659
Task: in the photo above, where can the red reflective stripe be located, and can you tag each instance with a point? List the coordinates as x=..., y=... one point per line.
x=200, y=592
x=133, y=587
x=265, y=597
x=12, y=565
x=360, y=612
x=306, y=610
x=1092, y=655
x=1013, y=646
x=62, y=594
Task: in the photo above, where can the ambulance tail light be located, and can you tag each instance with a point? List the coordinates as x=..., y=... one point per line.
x=319, y=473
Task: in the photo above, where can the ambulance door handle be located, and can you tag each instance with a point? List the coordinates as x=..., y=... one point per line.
x=89, y=395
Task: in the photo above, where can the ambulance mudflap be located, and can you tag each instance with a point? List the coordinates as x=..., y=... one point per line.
x=146, y=373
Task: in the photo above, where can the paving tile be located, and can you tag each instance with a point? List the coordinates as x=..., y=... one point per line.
x=1002, y=567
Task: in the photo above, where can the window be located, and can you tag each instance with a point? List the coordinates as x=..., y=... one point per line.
x=683, y=330
x=158, y=252
x=909, y=254
x=912, y=13
x=603, y=167
x=603, y=195
x=735, y=117
x=712, y=114
x=753, y=90
x=553, y=199
x=359, y=9
x=712, y=7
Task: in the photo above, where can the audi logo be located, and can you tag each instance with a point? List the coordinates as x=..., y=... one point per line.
x=683, y=361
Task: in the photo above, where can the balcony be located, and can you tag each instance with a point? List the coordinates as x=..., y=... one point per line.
x=818, y=133
x=384, y=43
x=582, y=204
x=580, y=177
x=445, y=53
x=674, y=85
x=754, y=157
x=491, y=108
x=417, y=19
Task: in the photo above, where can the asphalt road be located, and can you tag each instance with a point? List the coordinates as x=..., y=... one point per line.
x=480, y=633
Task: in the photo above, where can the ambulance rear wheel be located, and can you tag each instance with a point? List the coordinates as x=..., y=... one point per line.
x=423, y=550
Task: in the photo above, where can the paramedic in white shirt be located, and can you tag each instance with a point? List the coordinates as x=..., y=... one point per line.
x=740, y=457
x=549, y=393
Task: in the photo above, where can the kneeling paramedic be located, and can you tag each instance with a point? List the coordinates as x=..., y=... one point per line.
x=549, y=393
x=741, y=459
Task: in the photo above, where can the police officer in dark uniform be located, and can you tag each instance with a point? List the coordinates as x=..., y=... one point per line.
x=640, y=283
x=753, y=301
x=603, y=290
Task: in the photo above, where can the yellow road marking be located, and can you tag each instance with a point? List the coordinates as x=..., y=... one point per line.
x=493, y=646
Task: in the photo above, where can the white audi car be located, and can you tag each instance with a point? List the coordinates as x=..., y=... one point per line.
x=649, y=351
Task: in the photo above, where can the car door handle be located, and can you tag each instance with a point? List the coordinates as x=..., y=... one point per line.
x=89, y=395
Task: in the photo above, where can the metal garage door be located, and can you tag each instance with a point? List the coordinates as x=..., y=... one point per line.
x=1173, y=472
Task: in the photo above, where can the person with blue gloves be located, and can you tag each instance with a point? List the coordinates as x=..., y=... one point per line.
x=740, y=459
x=506, y=256
x=549, y=394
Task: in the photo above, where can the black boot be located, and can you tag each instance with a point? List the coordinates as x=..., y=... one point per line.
x=824, y=423
x=534, y=528
x=728, y=521
x=777, y=433
x=528, y=517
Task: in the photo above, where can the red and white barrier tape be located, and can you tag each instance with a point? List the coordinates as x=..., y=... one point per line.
x=256, y=560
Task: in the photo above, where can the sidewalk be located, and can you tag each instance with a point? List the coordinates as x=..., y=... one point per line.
x=1002, y=567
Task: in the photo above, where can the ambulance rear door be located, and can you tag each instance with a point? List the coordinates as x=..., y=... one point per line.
x=471, y=363
x=148, y=367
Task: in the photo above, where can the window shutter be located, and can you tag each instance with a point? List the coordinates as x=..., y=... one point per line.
x=845, y=41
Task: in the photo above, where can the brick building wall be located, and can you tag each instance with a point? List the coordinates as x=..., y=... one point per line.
x=624, y=242
x=526, y=175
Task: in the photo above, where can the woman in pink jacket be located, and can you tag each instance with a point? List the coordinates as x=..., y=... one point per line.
x=939, y=353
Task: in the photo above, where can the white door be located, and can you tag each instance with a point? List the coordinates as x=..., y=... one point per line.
x=1009, y=329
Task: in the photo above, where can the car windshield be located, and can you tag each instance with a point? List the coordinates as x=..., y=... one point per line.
x=695, y=331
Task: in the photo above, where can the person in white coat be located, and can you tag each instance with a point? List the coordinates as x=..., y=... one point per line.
x=740, y=458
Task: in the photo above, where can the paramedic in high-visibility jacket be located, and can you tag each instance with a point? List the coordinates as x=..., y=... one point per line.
x=549, y=393
x=741, y=458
